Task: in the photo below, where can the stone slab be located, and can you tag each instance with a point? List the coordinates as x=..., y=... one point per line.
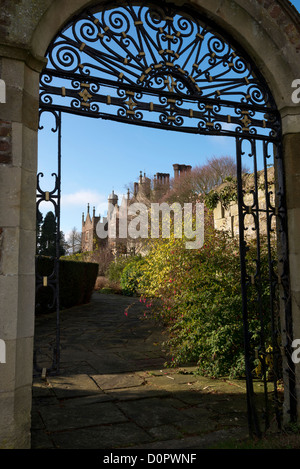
x=136, y=393
x=73, y=386
x=105, y=437
x=154, y=411
x=114, y=395
x=66, y=416
x=118, y=380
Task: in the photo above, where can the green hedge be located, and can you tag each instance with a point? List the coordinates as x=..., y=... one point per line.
x=76, y=283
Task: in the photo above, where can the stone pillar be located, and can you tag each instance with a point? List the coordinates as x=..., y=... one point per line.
x=291, y=144
x=18, y=168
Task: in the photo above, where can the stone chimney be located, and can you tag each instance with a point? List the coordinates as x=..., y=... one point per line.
x=181, y=169
x=176, y=170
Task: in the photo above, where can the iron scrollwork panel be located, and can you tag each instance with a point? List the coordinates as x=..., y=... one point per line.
x=47, y=273
x=156, y=66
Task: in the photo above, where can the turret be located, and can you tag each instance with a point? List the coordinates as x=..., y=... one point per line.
x=113, y=199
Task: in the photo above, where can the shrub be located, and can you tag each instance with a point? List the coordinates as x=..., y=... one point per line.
x=76, y=283
x=197, y=293
x=115, y=269
x=130, y=276
x=103, y=285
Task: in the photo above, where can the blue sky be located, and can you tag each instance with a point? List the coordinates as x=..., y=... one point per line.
x=100, y=156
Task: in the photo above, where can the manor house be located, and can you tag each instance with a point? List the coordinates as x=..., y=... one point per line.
x=143, y=192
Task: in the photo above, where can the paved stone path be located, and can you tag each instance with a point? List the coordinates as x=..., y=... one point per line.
x=113, y=390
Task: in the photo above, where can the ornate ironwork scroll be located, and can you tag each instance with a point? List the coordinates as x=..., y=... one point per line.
x=48, y=280
x=156, y=66
x=164, y=66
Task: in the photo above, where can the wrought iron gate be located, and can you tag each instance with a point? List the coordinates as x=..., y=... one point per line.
x=47, y=277
x=163, y=66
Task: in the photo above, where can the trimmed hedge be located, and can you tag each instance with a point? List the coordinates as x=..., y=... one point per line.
x=76, y=283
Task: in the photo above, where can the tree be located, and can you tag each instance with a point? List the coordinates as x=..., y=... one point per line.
x=74, y=241
x=201, y=180
x=213, y=173
x=46, y=245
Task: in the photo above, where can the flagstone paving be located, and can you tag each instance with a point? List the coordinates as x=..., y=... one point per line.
x=113, y=390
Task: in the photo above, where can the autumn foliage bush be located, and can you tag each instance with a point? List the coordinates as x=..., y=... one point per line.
x=131, y=275
x=197, y=295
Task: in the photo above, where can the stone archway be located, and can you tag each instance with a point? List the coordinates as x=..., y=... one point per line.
x=268, y=31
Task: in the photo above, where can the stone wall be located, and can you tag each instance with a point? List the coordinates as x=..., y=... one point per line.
x=5, y=142
x=227, y=219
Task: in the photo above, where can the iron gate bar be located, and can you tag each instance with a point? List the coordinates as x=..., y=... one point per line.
x=258, y=280
x=258, y=283
x=209, y=113
x=253, y=421
x=273, y=285
x=58, y=239
x=191, y=130
x=52, y=280
x=48, y=74
x=207, y=122
x=140, y=66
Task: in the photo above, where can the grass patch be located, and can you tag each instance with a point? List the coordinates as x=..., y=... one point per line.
x=108, y=290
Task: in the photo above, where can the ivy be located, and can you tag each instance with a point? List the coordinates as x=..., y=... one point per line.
x=227, y=192
x=225, y=196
